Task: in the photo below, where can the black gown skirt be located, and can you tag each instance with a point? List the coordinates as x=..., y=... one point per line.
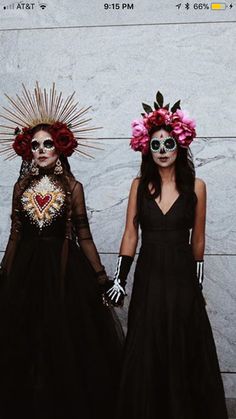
x=59, y=357
x=170, y=366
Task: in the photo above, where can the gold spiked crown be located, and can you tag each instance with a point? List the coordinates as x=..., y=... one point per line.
x=43, y=107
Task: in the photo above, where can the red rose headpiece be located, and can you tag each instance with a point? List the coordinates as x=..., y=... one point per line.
x=181, y=127
x=67, y=125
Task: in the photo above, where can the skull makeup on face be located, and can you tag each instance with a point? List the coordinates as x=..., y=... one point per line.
x=43, y=149
x=158, y=145
x=163, y=148
x=47, y=144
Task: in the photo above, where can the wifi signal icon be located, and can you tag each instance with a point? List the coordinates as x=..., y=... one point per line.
x=43, y=6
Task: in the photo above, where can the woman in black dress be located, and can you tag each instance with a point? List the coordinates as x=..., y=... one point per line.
x=170, y=365
x=58, y=337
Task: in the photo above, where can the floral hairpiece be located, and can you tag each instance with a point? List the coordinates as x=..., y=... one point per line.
x=67, y=124
x=63, y=139
x=181, y=127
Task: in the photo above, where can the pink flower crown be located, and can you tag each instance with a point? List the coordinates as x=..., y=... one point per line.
x=181, y=127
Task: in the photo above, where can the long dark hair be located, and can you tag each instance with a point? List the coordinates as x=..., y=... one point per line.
x=149, y=175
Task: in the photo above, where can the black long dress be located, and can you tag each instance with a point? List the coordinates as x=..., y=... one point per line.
x=170, y=367
x=59, y=351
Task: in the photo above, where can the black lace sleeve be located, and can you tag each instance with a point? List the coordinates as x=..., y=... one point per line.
x=83, y=233
x=15, y=231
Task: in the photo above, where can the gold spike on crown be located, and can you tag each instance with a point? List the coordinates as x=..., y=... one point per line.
x=43, y=107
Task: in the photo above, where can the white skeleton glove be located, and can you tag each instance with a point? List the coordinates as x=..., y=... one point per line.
x=200, y=272
x=116, y=292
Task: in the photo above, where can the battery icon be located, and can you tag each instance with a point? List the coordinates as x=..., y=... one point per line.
x=218, y=6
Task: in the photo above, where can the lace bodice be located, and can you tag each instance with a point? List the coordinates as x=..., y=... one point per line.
x=49, y=207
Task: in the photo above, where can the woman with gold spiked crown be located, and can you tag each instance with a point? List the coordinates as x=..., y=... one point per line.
x=60, y=342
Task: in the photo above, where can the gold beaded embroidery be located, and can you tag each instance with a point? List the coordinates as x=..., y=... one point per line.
x=43, y=201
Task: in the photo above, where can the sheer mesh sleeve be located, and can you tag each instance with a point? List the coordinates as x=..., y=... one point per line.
x=14, y=232
x=81, y=225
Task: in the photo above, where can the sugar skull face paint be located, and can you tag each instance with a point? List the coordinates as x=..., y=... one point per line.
x=164, y=145
x=163, y=148
x=46, y=144
x=43, y=149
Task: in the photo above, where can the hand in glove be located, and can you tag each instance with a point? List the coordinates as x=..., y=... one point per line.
x=116, y=292
x=200, y=272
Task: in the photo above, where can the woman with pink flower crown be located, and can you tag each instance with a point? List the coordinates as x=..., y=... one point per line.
x=170, y=366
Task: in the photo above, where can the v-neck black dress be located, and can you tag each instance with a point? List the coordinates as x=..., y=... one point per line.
x=170, y=366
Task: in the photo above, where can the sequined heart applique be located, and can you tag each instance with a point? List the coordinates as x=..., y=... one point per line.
x=42, y=201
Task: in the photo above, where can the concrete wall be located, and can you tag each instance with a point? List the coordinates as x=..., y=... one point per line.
x=115, y=60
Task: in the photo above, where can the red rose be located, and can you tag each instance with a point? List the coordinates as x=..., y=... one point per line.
x=57, y=126
x=64, y=140
x=22, y=146
x=157, y=118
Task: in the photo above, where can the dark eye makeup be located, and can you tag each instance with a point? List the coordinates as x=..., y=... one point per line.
x=48, y=144
x=169, y=144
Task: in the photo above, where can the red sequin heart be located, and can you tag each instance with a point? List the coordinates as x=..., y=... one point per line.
x=42, y=201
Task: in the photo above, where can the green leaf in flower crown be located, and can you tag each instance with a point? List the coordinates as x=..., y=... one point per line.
x=143, y=114
x=167, y=106
x=17, y=131
x=147, y=108
x=159, y=99
x=156, y=106
x=176, y=106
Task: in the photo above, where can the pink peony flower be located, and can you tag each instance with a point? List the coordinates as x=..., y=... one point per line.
x=140, y=139
x=138, y=128
x=140, y=144
x=183, y=128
